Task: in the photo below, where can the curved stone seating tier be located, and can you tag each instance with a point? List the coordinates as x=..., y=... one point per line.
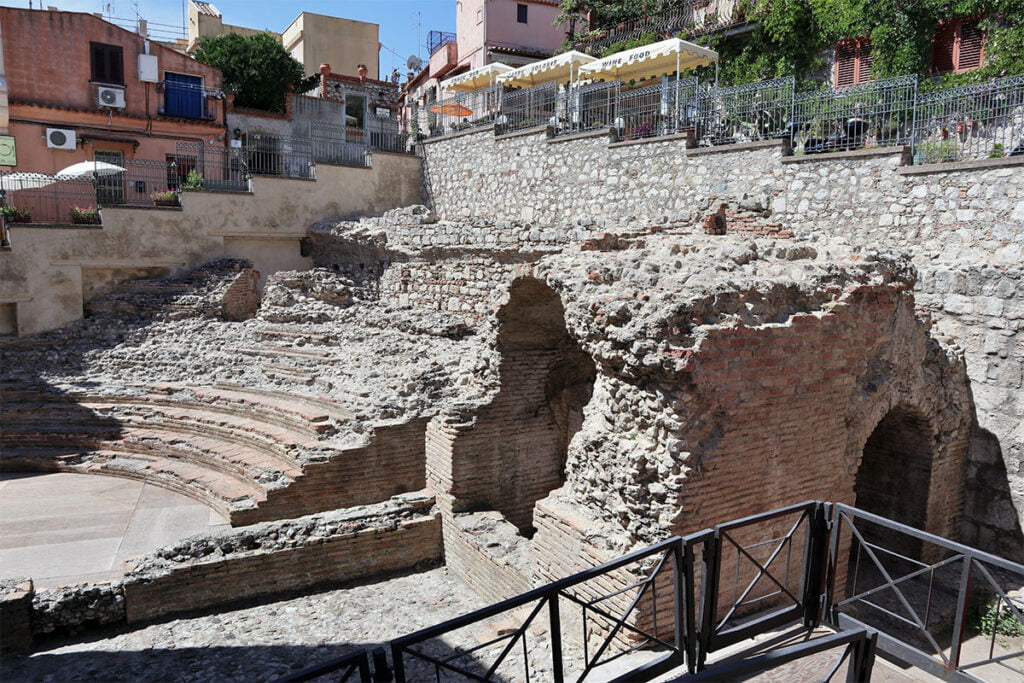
x=253, y=456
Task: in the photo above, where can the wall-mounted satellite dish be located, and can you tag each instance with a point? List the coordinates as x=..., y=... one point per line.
x=414, y=63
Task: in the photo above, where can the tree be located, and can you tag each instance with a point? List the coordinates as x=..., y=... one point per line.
x=256, y=68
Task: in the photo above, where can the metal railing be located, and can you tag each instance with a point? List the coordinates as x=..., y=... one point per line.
x=970, y=122
x=279, y=155
x=198, y=166
x=438, y=39
x=462, y=111
x=530, y=107
x=662, y=109
x=591, y=107
x=814, y=563
x=918, y=591
x=875, y=114
x=747, y=112
x=140, y=179
x=337, y=144
x=40, y=198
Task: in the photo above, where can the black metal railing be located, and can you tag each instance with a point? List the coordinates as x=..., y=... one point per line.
x=875, y=114
x=462, y=111
x=977, y=121
x=531, y=107
x=591, y=107
x=199, y=166
x=814, y=563
x=666, y=108
x=438, y=39
x=41, y=198
x=747, y=112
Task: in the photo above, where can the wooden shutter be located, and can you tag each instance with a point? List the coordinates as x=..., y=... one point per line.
x=853, y=62
x=846, y=63
x=972, y=39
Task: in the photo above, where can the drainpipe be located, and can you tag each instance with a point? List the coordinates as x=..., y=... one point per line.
x=484, y=25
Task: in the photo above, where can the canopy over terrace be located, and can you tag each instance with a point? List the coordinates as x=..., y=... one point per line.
x=561, y=68
x=650, y=61
x=477, y=78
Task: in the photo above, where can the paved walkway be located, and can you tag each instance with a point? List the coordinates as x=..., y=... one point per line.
x=68, y=528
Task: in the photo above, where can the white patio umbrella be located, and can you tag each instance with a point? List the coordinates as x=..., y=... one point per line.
x=83, y=170
x=25, y=181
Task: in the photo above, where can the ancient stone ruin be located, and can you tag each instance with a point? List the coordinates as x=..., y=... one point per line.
x=521, y=398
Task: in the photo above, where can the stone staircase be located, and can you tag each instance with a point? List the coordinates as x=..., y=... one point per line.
x=252, y=456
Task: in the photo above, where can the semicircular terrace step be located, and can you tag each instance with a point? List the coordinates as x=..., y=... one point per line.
x=254, y=456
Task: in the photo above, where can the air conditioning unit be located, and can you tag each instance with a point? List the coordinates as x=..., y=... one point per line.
x=59, y=138
x=110, y=97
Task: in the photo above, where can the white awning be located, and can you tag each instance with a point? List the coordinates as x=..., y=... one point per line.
x=477, y=78
x=561, y=68
x=650, y=61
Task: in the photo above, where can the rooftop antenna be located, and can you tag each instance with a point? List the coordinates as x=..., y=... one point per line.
x=418, y=16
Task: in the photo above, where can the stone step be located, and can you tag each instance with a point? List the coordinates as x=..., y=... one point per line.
x=291, y=334
x=277, y=351
x=226, y=494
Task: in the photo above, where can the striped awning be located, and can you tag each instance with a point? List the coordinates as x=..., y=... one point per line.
x=650, y=61
x=477, y=78
x=561, y=68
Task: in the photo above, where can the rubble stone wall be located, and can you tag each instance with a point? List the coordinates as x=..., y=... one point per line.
x=952, y=220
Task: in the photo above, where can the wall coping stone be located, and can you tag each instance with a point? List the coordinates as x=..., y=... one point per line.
x=460, y=133
x=406, y=155
x=852, y=154
x=211, y=191
x=600, y=132
x=56, y=226
x=735, y=147
x=143, y=208
x=969, y=165
x=656, y=138
x=532, y=130
x=327, y=163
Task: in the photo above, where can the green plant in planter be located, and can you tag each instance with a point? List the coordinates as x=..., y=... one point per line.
x=193, y=181
x=997, y=152
x=85, y=215
x=936, y=152
x=164, y=197
x=15, y=215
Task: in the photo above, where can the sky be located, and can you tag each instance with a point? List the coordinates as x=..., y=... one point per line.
x=398, y=19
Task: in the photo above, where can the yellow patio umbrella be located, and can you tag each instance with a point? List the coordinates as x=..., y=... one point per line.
x=561, y=68
x=477, y=78
x=650, y=61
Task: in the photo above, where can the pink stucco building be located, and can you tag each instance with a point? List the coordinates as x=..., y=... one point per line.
x=514, y=32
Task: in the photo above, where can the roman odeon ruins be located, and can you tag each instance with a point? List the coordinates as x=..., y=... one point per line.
x=572, y=350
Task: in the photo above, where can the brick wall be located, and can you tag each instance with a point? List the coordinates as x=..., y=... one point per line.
x=241, y=299
x=397, y=539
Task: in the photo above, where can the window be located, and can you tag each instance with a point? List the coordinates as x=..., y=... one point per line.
x=959, y=46
x=183, y=96
x=521, y=13
x=853, y=62
x=355, y=111
x=107, y=63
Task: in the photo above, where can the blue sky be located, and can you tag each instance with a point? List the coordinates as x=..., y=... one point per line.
x=397, y=18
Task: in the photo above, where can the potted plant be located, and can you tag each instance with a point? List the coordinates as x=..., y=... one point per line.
x=85, y=215
x=193, y=181
x=164, y=198
x=15, y=215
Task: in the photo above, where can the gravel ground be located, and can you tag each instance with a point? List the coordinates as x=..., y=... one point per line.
x=255, y=643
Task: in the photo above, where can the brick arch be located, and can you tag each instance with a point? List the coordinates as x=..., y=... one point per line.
x=894, y=478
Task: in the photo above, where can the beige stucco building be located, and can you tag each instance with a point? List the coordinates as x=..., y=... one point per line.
x=312, y=39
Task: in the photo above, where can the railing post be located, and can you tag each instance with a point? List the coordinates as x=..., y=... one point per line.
x=960, y=622
x=687, y=639
x=815, y=565
x=397, y=663
x=381, y=672
x=555, y=625
x=709, y=595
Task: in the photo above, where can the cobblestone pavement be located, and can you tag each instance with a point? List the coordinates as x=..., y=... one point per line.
x=254, y=643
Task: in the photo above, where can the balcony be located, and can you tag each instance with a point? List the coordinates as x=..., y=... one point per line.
x=444, y=60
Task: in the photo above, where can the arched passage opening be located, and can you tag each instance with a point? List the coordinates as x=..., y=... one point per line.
x=894, y=478
x=546, y=380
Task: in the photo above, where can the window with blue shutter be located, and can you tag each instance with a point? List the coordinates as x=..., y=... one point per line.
x=183, y=96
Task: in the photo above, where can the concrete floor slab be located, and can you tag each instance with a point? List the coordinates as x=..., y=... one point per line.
x=67, y=528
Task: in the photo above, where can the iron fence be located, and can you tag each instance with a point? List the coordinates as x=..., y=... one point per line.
x=337, y=144
x=875, y=114
x=878, y=582
x=438, y=39
x=463, y=111
x=926, y=597
x=970, y=122
x=279, y=155
x=199, y=166
x=662, y=109
x=591, y=107
x=40, y=198
x=529, y=107
x=742, y=113
x=135, y=185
